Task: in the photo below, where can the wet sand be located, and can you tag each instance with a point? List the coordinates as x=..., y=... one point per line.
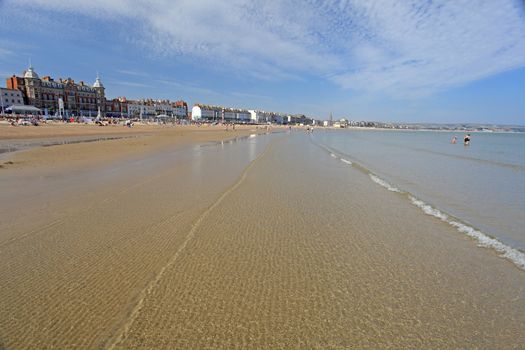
x=82, y=150
x=266, y=242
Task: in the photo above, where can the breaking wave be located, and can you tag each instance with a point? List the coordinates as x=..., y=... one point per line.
x=517, y=257
x=383, y=183
x=483, y=240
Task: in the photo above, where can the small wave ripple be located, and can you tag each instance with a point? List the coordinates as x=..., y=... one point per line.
x=484, y=240
x=383, y=183
x=515, y=256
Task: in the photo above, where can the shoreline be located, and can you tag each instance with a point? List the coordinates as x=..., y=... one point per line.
x=483, y=239
x=419, y=130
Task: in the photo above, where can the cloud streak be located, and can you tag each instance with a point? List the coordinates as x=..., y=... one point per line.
x=132, y=73
x=189, y=87
x=249, y=95
x=128, y=83
x=398, y=47
x=5, y=52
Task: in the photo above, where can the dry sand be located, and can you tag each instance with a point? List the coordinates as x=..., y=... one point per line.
x=58, y=129
x=260, y=243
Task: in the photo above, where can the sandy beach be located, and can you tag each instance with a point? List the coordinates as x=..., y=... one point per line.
x=137, y=140
x=187, y=237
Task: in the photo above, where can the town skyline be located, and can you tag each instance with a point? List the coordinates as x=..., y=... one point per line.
x=149, y=59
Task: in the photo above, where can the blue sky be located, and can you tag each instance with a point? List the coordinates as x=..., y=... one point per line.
x=389, y=60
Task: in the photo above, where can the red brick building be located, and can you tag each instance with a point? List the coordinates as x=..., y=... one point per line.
x=45, y=93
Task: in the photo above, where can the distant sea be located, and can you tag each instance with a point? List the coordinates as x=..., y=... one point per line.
x=478, y=189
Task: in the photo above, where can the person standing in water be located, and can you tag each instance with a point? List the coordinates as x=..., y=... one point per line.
x=454, y=140
x=466, y=140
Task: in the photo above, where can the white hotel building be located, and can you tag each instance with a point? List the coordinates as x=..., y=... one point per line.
x=263, y=117
x=152, y=108
x=10, y=97
x=205, y=113
x=137, y=109
x=170, y=110
x=209, y=113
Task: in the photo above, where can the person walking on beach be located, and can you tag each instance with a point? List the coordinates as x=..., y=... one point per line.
x=466, y=140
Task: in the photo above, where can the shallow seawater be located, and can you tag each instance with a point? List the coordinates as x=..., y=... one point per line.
x=305, y=251
x=269, y=242
x=483, y=185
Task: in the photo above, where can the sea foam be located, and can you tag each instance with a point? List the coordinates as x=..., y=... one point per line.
x=346, y=161
x=515, y=256
x=383, y=183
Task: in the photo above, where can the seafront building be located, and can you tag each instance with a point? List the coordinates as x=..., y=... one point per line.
x=148, y=108
x=210, y=113
x=65, y=97
x=201, y=112
x=9, y=97
x=264, y=117
x=63, y=94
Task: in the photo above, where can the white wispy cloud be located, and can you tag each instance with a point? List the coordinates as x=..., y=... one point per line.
x=128, y=83
x=133, y=73
x=185, y=86
x=402, y=47
x=249, y=95
x=5, y=52
x=429, y=46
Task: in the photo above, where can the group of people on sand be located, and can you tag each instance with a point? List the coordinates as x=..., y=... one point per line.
x=466, y=140
x=35, y=121
x=228, y=126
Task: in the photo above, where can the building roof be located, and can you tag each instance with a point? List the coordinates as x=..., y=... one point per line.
x=30, y=73
x=98, y=83
x=23, y=108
